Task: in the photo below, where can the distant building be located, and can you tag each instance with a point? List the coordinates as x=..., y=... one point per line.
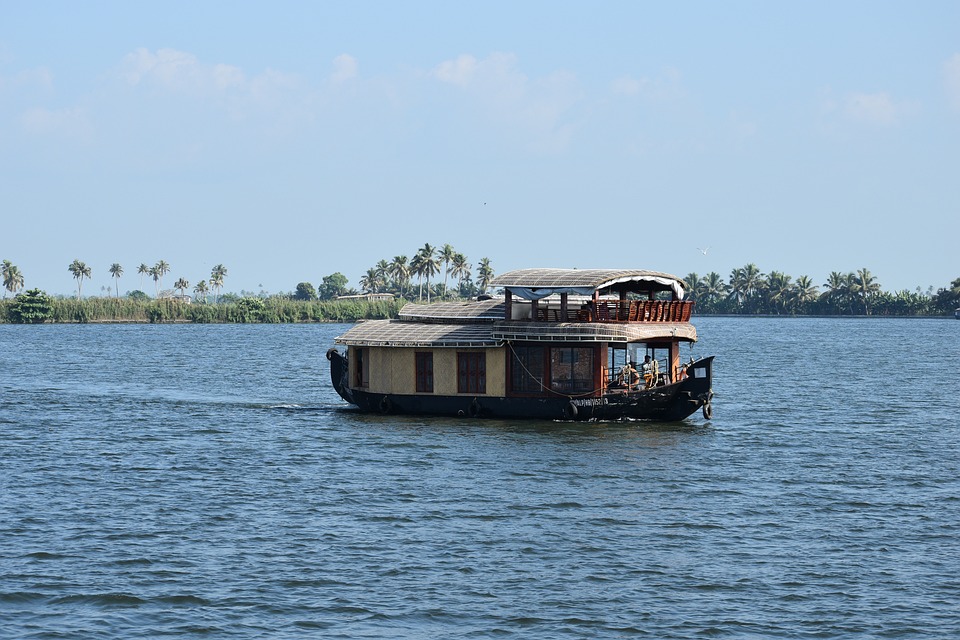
x=170, y=294
x=368, y=297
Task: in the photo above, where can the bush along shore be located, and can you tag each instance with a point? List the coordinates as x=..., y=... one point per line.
x=34, y=306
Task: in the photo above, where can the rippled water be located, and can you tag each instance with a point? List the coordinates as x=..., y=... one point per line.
x=205, y=481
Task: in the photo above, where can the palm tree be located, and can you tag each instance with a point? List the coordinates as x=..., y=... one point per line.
x=399, y=270
x=181, y=285
x=416, y=268
x=201, y=290
x=485, y=274
x=142, y=269
x=428, y=264
x=12, y=278
x=833, y=295
x=370, y=281
x=446, y=257
x=163, y=269
x=116, y=271
x=778, y=290
x=155, y=274
x=383, y=272
x=692, y=285
x=745, y=283
x=805, y=292
x=80, y=270
x=460, y=269
x=867, y=286
x=738, y=291
x=713, y=287
x=217, y=274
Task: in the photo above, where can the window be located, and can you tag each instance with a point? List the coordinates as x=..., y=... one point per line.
x=362, y=369
x=424, y=372
x=527, y=369
x=471, y=373
x=571, y=369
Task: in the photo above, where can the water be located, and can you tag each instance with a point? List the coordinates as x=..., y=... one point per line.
x=205, y=481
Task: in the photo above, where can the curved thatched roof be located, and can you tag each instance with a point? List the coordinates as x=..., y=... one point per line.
x=397, y=333
x=468, y=311
x=580, y=280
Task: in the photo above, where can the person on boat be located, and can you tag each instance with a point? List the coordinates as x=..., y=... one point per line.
x=650, y=370
x=629, y=376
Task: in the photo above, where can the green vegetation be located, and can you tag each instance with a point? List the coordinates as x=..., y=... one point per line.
x=394, y=276
x=35, y=306
x=750, y=292
x=32, y=307
x=12, y=278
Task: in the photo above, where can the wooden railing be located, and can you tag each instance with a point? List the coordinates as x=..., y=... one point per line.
x=623, y=311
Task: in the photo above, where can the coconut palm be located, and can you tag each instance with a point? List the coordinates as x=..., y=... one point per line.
x=12, y=278
x=116, y=271
x=834, y=293
x=217, y=274
x=745, y=283
x=713, y=287
x=778, y=290
x=692, y=285
x=181, y=285
x=866, y=286
x=143, y=269
x=399, y=270
x=155, y=274
x=805, y=292
x=370, y=282
x=485, y=274
x=80, y=270
x=446, y=257
x=460, y=269
x=428, y=263
x=383, y=270
x=416, y=269
x=162, y=269
x=201, y=290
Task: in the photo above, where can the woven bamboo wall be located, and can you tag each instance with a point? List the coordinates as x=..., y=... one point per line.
x=393, y=370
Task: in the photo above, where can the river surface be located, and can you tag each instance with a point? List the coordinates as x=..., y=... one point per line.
x=205, y=481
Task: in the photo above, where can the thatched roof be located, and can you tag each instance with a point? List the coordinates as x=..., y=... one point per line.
x=581, y=280
x=469, y=311
x=396, y=333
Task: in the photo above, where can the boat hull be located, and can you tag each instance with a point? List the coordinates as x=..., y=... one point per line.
x=668, y=403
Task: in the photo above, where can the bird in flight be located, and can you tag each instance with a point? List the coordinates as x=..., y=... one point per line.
x=704, y=250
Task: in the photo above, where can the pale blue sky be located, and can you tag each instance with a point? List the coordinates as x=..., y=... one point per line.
x=289, y=140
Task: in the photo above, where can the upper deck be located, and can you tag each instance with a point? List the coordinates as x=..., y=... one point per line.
x=593, y=295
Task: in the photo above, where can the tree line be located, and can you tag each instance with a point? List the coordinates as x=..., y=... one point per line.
x=751, y=292
x=80, y=270
x=747, y=291
x=35, y=306
x=396, y=277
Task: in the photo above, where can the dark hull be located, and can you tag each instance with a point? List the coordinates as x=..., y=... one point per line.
x=668, y=403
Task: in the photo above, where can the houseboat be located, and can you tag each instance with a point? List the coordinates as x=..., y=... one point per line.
x=562, y=344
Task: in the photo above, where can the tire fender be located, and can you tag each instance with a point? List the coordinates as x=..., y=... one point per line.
x=386, y=406
x=570, y=411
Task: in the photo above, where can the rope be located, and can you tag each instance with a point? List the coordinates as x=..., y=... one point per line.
x=546, y=388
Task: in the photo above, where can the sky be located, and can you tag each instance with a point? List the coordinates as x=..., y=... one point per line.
x=291, y=140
